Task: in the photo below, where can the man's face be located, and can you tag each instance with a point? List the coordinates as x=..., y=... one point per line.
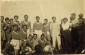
x=73, y=16
x=35, y=36
x=65, y=20
x=46, y=21
x=16, y=18
x=37, y=19
x=7, y=21
x=11, y=20
x=42, y=37
x=26, y=17
x=54, y=19
x=25, y=28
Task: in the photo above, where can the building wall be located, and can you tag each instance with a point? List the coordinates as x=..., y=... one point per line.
x=42, y=8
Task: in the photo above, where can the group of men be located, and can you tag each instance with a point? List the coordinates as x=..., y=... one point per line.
x=46, y=37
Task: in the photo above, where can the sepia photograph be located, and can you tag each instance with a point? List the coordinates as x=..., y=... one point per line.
x=42, y=27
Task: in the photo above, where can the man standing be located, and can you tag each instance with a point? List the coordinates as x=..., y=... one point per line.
x=55, y=31
x=74, y=31
x=38, y=27
x=46, y=30
x=28, y=23
x=16, y=22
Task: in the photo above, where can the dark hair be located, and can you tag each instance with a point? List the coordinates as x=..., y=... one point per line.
x=53, y=17
x=6, y=18
x=16, y=16
x=65, y=18
x=15, y=25
x=34, y=34
x=42, y=35
x=80, y=15
x=37, y=17
x=45, y=19
x=25, y=15
x=73, y=14
x=24, y=25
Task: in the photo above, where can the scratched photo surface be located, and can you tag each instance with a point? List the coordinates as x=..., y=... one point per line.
x=42, y=27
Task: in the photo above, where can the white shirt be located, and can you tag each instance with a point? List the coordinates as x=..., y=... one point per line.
x=66, y=26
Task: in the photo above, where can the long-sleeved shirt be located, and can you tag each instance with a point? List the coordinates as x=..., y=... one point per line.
x=23, y=35
x=37, y=26
x=15, y=35
x=66, y=26
x=46, y=27
x=28, y=23
x=54, y=26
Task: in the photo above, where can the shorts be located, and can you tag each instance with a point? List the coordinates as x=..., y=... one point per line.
x=15, y=43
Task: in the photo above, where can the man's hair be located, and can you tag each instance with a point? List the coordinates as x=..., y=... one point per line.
x=25, y=15
x=73, y=14
x=34, y=34
x=42, y=35
x=16, y=16
x=24, y=25
x=80, y=15
x=15, y=25
x=45, y=19
x=6, y=18
x=65, y=18
x=37, y=17
x=53, y=17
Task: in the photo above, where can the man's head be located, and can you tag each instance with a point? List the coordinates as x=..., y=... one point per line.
x=46, y=20
x=42, y=37
x=2, y=18
x=24, y=27
x=16, y=18
x=54, y=19
x=15, y=27
x=80, y=15
x=25, y=17
x=7, y=20
x=35, y=36
x=73, y=16
x=11, y=20
x=37, y=18
x=65, y=20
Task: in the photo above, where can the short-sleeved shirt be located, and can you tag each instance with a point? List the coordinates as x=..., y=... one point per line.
x=38, y=26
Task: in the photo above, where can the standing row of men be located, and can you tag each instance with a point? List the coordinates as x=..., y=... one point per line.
x=67, y=35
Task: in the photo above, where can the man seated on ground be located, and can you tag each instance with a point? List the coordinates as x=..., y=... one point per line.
x=44, y=44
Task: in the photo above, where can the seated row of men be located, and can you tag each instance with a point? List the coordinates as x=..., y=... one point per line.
x=67, y=35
